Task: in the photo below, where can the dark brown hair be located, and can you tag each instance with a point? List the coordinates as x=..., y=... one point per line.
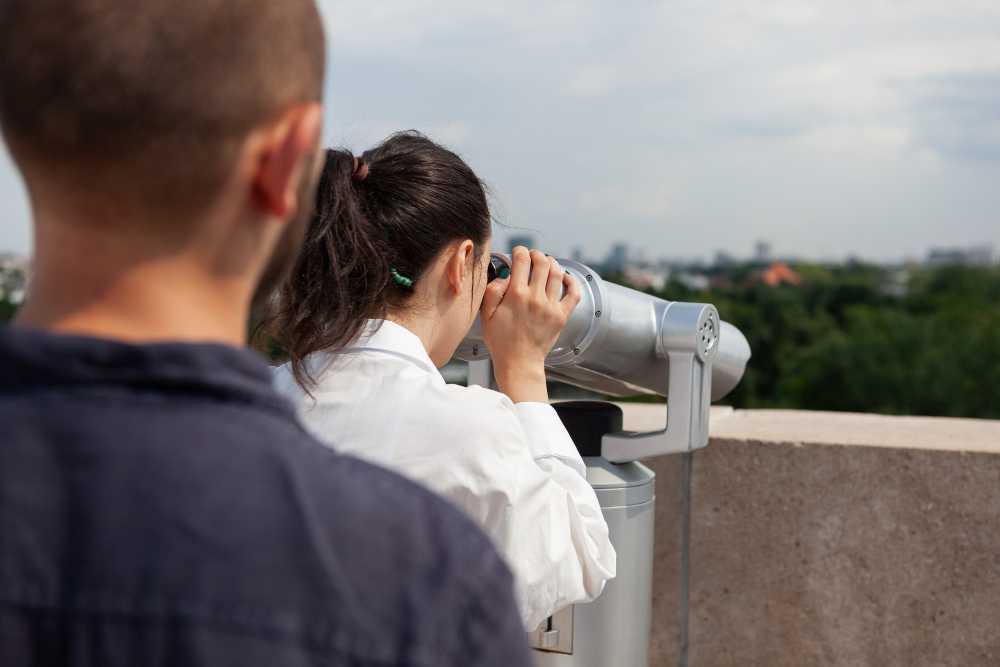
x=417, y=198
x=150, y=99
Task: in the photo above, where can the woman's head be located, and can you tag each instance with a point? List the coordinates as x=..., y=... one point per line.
x=401, y=231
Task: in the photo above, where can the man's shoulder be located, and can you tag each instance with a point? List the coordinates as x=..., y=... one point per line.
x=399, y=558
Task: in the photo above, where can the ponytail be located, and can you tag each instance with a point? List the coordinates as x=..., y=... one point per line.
x=342, y=262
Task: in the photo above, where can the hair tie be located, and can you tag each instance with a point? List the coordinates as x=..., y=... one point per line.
x=360, y=169
x=400, y=279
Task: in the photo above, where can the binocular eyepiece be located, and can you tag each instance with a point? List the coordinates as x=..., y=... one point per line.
x=499, y=267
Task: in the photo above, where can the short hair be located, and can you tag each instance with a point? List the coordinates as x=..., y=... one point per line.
x=151, y=98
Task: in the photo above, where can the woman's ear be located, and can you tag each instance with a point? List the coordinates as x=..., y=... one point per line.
x=460, y=256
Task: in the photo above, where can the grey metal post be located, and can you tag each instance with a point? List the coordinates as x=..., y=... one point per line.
x=481, y=373
x=614, y=630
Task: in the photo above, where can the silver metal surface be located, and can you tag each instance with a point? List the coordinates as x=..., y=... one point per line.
x=613, y=631
x=612, y=342
x=731, y=361
x=689, y=336
x=555, y=634
x=481, y=374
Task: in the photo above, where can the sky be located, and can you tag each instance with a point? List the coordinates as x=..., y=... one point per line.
x=830, y=128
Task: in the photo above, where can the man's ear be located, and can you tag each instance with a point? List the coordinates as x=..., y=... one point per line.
x=285, y=154
x=460, y=256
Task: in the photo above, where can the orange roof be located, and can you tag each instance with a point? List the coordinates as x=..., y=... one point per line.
x=780, y=273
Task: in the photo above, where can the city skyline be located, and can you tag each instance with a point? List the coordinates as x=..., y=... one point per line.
x=619, y=254
x=831, y=129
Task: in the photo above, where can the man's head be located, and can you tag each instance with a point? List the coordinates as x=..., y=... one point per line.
x=159, y=114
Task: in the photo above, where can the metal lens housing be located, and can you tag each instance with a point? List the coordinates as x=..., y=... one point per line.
x=612, y=343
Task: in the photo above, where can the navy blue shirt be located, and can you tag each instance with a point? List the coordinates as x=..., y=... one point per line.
x=160, y=505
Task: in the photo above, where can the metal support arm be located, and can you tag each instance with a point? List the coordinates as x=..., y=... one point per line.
x=689, y=336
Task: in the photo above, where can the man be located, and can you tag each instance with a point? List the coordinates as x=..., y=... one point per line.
x=159, y=504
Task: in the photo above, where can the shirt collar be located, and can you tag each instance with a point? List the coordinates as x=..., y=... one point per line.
x=387, y=336
x=33, y=358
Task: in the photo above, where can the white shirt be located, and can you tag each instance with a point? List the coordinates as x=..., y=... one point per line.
x=511, y=467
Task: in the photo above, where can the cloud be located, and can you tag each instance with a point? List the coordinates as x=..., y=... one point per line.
x=830, y=127
x=593, y=81
x=958, y=115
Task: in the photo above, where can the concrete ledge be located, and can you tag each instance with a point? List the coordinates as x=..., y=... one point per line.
x=835, y=428
x=828, y=539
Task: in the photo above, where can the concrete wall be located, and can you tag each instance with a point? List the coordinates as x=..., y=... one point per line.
x=828, y=539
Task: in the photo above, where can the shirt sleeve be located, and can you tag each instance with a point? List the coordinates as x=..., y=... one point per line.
x=554, y=535
x=547, y=438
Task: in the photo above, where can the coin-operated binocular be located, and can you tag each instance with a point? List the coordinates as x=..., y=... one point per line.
x=621, y=342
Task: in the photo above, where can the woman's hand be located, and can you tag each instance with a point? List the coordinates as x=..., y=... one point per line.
x=522, y=318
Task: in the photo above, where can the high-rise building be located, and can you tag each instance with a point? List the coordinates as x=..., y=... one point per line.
x=617, y=259
x=762, y=252
x=981, y=255
x=723, y=259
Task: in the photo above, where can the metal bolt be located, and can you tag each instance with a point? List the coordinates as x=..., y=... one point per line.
x=576, y=350
x=589, y=277
x=475, y=350
x=550, y=639
x=597, y=314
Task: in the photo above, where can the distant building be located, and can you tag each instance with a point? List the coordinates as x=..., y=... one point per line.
x=981, y=255
x=525, y=240
x=617, y=259
x=779, y=273
x=10, y=261
x=896, y=283
x=694, y=281
x=13, y=278
x=724, y=260
x=646, y=278
x=762, y=252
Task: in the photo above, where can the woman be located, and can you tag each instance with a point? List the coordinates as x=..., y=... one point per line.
x=391, y=278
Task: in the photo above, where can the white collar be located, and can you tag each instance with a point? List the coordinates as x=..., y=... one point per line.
x=387, y=336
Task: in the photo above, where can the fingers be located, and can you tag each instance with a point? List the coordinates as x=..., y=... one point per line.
x=541, y=266
x=571, y=295
x=521, y=269
x=493, y=297
x=537, y=276
x=554, y=286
